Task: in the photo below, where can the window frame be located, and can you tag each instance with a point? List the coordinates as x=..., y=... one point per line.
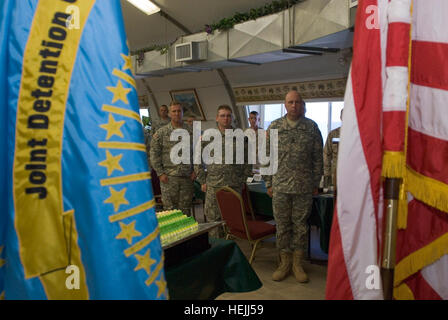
x=260, y=108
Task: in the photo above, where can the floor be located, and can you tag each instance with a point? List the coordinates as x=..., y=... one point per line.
x=266, y=262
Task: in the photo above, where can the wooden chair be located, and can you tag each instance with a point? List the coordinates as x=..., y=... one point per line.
x=237, y=225
x=247, y=202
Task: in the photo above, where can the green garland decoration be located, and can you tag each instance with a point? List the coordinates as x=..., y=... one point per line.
x=252, y=14
x=163, y=49
x=228, y=23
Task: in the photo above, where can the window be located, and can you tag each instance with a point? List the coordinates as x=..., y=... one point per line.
x=336, y=108
x=326, y=114
x=144, y=112
x=318, y=111
x=273, y=112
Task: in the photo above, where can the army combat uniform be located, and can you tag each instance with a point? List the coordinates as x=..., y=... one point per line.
x=157, y=124
x=147, y=136
x=299, y=173
x=221, y=175
x=331, y=158
x=177, y=193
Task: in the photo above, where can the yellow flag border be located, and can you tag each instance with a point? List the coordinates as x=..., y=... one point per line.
x=403, y=292
x=421, y=258
x=428, y=190
x=44, y=19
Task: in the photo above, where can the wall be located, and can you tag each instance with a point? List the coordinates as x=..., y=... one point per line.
x=212, y=93
x=294, y=70
x=208, y=85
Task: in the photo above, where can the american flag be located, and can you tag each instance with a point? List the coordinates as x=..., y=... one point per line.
x=395, y=124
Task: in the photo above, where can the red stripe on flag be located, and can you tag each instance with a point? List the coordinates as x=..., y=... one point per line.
x=428, y=155
x=359, y=218
x=420, y=288
x=338, y=284
x=425, y=224
x=398, y=44
x=394, y=128
x=429, y=67
x=367, y=96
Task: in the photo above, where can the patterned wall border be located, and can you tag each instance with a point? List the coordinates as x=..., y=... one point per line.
x=333, y=88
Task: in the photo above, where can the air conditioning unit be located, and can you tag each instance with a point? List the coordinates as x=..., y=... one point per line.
x=191, y=51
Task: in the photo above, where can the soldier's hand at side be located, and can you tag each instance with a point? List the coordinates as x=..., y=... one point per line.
x=163, y=178
x=315, y=192
x=193, y=176
x=269, y=192
x=204, y=187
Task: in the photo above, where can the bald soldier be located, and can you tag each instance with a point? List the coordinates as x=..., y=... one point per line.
x=176, y=180
x=292, y=187
x=220, y=175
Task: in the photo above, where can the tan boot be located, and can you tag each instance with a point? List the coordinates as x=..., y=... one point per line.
x=284, y=267
x=297, y=268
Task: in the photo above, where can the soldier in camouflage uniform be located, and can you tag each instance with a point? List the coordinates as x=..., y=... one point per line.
x=221, y=175
x=254, y=121
x=190, y=121
x=163, y=121
x=147, y=144
x=176, y=180
x=293, y=185
x=331, y=157
x=156, y=125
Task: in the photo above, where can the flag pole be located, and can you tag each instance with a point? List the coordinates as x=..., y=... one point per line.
x=391, y=196
x=392, y=199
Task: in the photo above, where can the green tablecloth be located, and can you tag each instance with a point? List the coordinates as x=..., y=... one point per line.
x=322, y=216
x=198, y=194
x=261, y=203
x=321, y=212
x=222, y=268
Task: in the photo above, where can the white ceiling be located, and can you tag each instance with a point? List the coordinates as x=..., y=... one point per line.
x=143, y=30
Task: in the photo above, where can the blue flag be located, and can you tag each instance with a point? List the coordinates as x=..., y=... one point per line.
x=5, y=16
x=78, y=219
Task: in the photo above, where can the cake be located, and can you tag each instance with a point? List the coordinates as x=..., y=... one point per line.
x=175, y=225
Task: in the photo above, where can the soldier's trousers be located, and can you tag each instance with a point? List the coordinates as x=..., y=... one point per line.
x=291, y=212
x=212, y=212
x=177, y=193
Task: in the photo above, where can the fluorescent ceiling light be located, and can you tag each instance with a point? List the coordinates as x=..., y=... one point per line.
x=146, y=6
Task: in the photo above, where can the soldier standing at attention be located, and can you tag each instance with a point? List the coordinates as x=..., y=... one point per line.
x=331, y=157
x=157, y=124
x=163, y=121
x=293, y=185
x=190, y=121
x=221, y=175
x=147, y=136
x=254, y=121
x=176, y=180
